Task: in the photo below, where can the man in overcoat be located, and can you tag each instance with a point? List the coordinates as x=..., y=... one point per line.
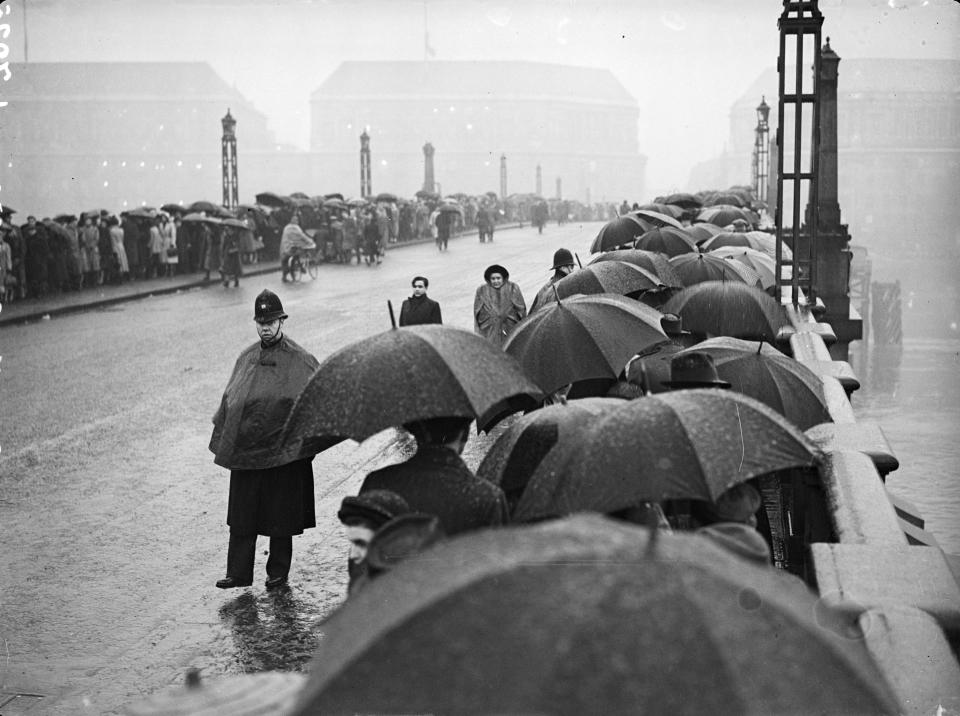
x=271, y=481
x=562, y=267
x=419, y=309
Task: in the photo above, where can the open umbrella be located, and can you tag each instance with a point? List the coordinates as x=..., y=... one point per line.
x=142, y=213
x=757, y=240
x=65, y=218
x=683, y=200
x=697, y=268
x=174, y=209
x=586, y=616
x=357, y=202
x=268, y=198
x=581, y=338
x=450, y=209
x=386, y=196
x=334, y=195
x=670, y=210
x=703, y=231
x=654, y=262
x=681, y=445
x=200, y=218
x=617, y=277
x=761, y=264
x=407, y=374
x=727, y=308
x=726, y=198
x=656, y=218
x=655, y=361
x=667, y=240
x=778, y=381
x=205, y=206
x=620, y=232
x=724, y=215
x=517, y=451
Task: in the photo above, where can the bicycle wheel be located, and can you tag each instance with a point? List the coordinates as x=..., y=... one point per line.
x=312, y=268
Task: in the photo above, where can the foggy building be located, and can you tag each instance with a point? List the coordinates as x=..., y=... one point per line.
x=116, y=135
x=577, y=123
x=898, y=139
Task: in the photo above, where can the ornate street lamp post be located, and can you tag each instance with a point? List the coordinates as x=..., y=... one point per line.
x=228, y=161
x=365, y=184
x=503, y=177
x=761, y=151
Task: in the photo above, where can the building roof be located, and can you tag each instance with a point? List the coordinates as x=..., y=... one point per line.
x=115, y=80
x=869, y=75
x=474, y=79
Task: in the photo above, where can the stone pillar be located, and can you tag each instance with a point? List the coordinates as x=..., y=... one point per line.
x=228, y=161
x=503, y=177
x=539, y=181
x=559, y=188
x=366, y=188
x=429, y=182
x=833, y=253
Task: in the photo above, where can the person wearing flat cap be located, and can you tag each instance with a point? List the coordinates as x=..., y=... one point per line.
x=361, y=516
x=271, y=479
x=693, y=370
x=498, y=305
x=562, y=266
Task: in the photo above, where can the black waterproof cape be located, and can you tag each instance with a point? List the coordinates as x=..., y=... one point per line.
x=265, y=383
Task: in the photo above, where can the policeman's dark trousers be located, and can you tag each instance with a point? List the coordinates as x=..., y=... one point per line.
x=242, y=551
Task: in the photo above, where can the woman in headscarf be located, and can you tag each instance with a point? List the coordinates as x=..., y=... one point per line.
x=498, y=305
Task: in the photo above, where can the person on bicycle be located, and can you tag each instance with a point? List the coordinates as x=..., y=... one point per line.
x=293, y=242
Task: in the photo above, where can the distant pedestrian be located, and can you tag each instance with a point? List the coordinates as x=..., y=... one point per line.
x=90, y=243
x=498, y=305
x=119, y=252
x=436, y=480
x=562, y=267
x=271, y=481
x=157, y=250
x=418, y=309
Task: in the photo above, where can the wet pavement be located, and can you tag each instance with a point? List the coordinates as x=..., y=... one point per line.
x=113, y=511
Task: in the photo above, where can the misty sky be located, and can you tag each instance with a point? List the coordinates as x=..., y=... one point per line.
x=686, y=61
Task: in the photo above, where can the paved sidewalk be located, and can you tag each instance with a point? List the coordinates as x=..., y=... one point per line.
x=36, y=309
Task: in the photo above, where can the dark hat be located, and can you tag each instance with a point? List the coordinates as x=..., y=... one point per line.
x=375, y=507
x=672, y=325
x=562, y=257
x=694, y=370
x=496, y=268
x=267, y=307
x=743, y=540
x=737, y=504
x=402, y=537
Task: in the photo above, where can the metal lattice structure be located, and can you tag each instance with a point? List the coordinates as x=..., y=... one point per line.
x=800, y=22
x=228, y=161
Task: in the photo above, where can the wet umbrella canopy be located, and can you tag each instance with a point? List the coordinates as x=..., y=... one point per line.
x=702, y=231
x=201, y=218
x=621, y=232
x=684, y=200
x=519, y=449
x=726, y=308
x=757, y=240
x=667, y=240
x=608, y=277
x=582, y=337
x=268, y=198
x=685, y=444
x=697, y=268
x=656, y=218
x=654, y=262
x=761, y=264
x=778, y=381
x=586, y=616
x=724, y=215
x=407, y=374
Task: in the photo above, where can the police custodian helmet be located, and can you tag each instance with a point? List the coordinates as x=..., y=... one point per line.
x=267, y=307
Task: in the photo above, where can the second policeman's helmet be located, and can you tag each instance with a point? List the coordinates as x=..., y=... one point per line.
x=267, y=307
x=562, y=257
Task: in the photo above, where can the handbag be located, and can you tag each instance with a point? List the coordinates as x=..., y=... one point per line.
x=172, y=252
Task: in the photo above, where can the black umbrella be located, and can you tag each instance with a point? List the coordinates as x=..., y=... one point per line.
x=727, y=308
x=64, y=218
x=518, y=451
x=268, y=198
x=654, y=262
x=725, y=198
x=670, y=210
x=142, y=213
x=205, y=206
x=778, y=381
x=757, y=261
x=684, y=200
x=386, y=196
x=681, y=445
x=697, y=268
x=581, y=338
x=407, y=374
x=587, y=616
x=667, y=240
x=757, y=240
x=724, y=215
x=656, y=218
x=450, y=209
x=175, y=209
x=703, y=231
x=617, y=277
x=621, y=232
x=200, y=218
x=334, y=195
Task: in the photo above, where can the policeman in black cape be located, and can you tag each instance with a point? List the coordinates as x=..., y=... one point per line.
x=271, y=481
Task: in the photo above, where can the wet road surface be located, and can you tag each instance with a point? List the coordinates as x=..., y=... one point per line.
x=113, y=512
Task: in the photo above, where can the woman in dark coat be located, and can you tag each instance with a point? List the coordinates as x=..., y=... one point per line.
x=271, y=481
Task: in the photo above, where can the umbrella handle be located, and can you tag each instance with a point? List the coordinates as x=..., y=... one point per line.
x=577, y=257
x=555, y=294
x=393, y=321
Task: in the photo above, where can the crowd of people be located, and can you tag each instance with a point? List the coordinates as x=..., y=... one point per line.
x=76, y=252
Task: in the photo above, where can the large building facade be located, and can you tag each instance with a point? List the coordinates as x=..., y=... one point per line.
x=578, y=124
